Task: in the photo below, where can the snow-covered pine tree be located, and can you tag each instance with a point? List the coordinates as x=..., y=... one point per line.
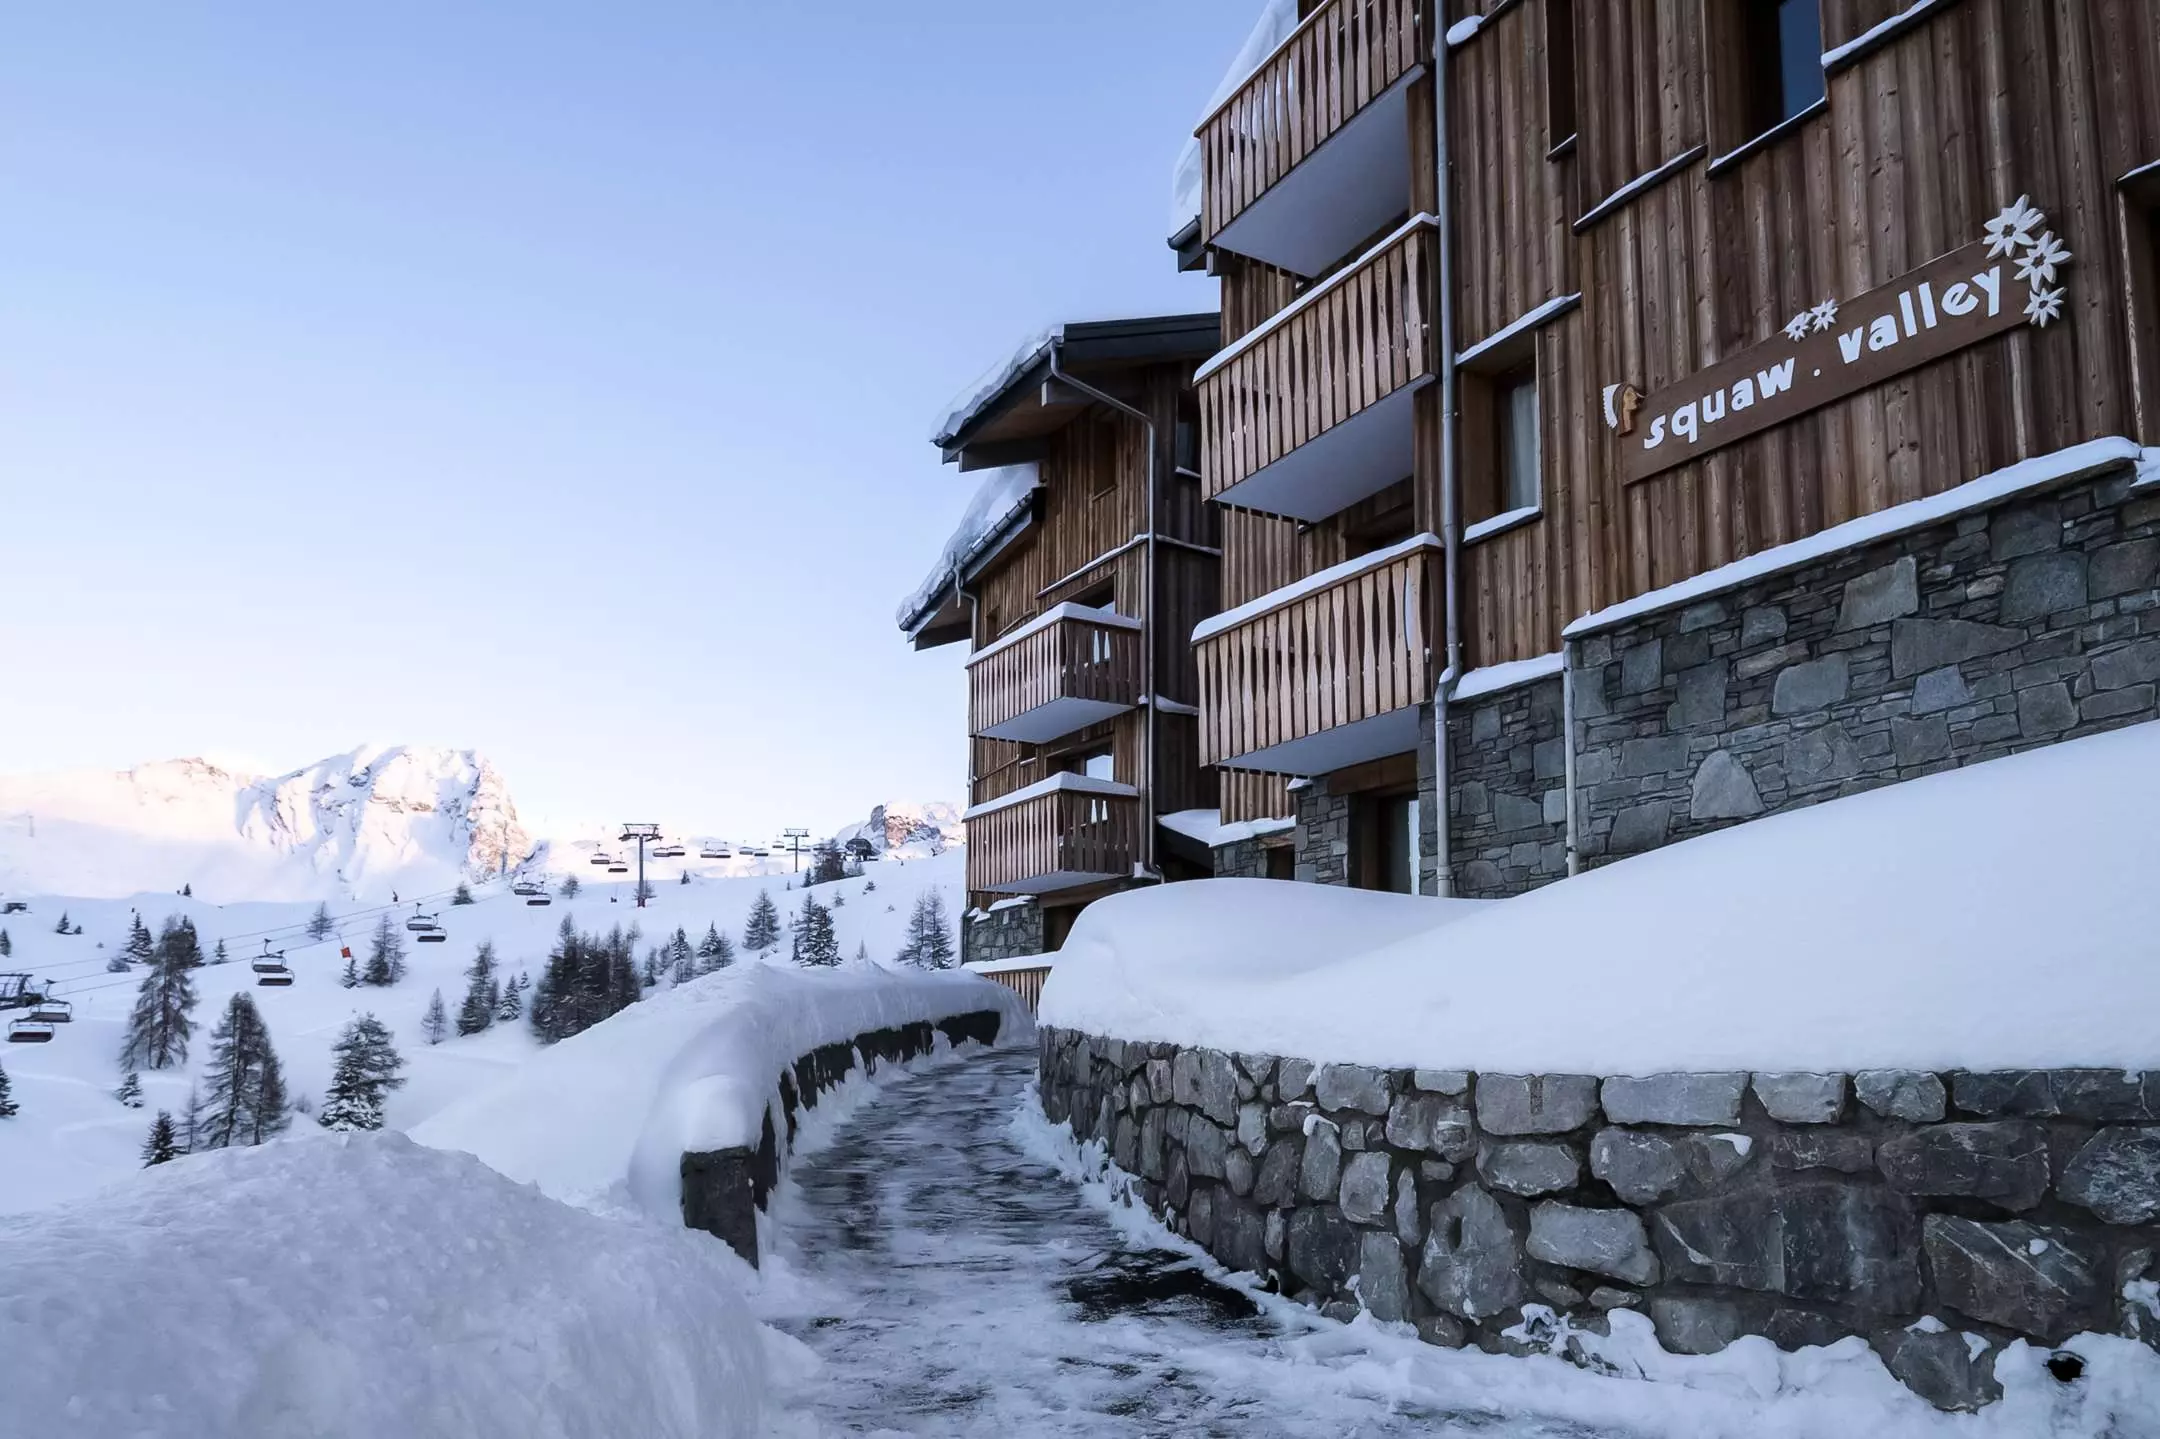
x=62, y=926
x=246, y=1100
x=680, y=954
x=320, y=924
x=816, y=944
x=761, y=931
x=435, y=1024
x=862, y=951
x=177, y=945
x=839, y=901
x=685, y=877
x=140, y=947
x=386, y=955
x=937, y=940
x=708, y=950
x=163, y=1145
x=477, y=1011
x=163, y=1018
x=649, y=978
x=723, y=955
x=462, y=894
x=130, y=1091
x=570, y=887
x=350, y=979
x=512, y=1004
x=366, y=1070
x=191, y=1121
x=218, y=955
x=8, y=1107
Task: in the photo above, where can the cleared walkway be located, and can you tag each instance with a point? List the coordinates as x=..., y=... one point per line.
x=954, y=1286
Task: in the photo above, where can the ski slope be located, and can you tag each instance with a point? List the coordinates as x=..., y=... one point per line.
x=72, y=1136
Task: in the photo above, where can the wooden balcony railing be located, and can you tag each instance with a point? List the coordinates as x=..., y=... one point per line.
x=1347, y=646
x=1072, y=668
x=1343, y=57
x=1333, y=354
x=1052, y=840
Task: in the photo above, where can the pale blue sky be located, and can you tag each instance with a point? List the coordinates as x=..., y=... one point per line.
x=547, y=379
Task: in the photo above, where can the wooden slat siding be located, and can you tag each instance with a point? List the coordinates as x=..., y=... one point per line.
x=1027, y=983
x=1343, y=58
x=1356, y=649
x=1367, y=337
x=1053, y=834
x=1058, y=662
x=1925, y=138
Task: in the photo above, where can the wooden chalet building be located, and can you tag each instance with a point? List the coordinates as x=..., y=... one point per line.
x=1755, y=416
x=1076, y=579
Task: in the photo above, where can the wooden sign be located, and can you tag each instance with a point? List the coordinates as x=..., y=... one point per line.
x=2006, y=279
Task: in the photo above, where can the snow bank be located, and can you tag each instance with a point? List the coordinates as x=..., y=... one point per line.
x=1207, y=826
x=1995, y=917
x=363, y=1285
x=997, y=500
x=603, y=1119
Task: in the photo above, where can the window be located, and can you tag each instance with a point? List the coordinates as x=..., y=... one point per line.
x=1097, y=765
x=1516, y=419
x=1559, y=75
x=1784, y=60
x=1281, y=862
x=1187, y=443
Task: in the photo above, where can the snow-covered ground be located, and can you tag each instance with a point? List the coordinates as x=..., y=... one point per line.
x=365, y=1285
x=1966, y=920
x=72, y=1136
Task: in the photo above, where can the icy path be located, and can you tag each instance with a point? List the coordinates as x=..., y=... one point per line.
x=954, y=1286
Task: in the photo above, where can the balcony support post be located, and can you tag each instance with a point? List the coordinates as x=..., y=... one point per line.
x=1147, y=620
x=1450, y=488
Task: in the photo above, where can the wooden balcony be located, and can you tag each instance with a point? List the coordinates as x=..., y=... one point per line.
x=1069, y=669
x=1312, y=153
x=1312, y=411
x=1063, y=832
x=1325, y=673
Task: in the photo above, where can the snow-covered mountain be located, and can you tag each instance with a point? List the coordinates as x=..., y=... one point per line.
x=353, y=825
x=911, y=828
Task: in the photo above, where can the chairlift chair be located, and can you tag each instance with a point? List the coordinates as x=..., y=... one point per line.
x=427, y=928
x=535, y=901
x=30, y=1031
x=14, y=906
x=271, y=971
x=526, y=888
x=52, y=1011
x=715, y=851
x=600, y=858
x=618, y=867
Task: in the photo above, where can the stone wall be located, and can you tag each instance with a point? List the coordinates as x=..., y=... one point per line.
x=1976, y=637
x=1507, y=767
x=1012, y=932
x=723, y=1189
x=1801, y=1207
x=1323, y=834
x=1240, y=859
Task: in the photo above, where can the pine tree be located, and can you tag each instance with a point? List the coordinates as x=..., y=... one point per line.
x=862, y=952
x=929, y=942
x=162, y=1146
x=140, y=947
x=366, y=1070
x=650, y=977
x=320, y=924
x=816, y=944
x=163, y=1018
x=62, y=926
x=828, y=862
x=435, y=1025
x=8, y=1107
x=462, y=894
x=570, y=887
x=218, y=955
x=477, y=1011
x=7, y=946
x=512, y=1004
x=350, y=979
x=869, y=886
x=761, y=931
x=246, y=1103
x=130, y=1091
x=839, y=901
x=191, y=1121
x=177, y=944
x=118, y=965
x=187, y=891
x=685, y=877
x=386, y=955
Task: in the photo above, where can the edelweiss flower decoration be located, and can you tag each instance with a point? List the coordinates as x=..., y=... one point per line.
x=2045, y=305
x=2043, y=253
x=2013, y=227
x=1797, y=327
x=1824, y=315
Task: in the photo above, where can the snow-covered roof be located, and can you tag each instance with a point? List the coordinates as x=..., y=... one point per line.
x=1278, y=21
x=1206, y=826
x=999, y=501
x=1963, y=920
x=992, y=381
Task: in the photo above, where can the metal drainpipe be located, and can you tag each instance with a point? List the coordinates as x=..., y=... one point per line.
x=1450, y=498
x=960, y=592
x=1147, y=586
x=1567, y=743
